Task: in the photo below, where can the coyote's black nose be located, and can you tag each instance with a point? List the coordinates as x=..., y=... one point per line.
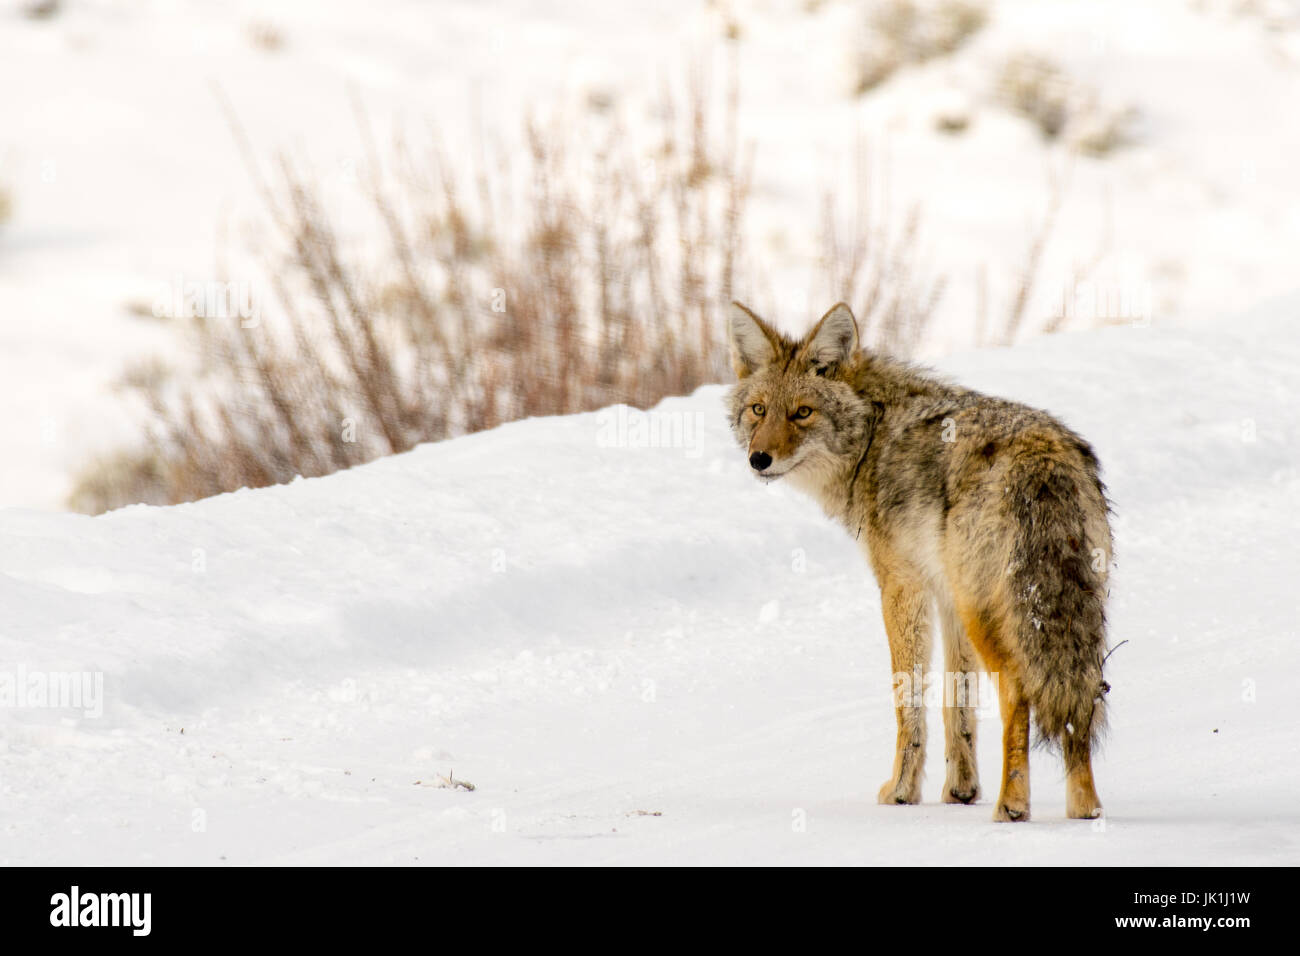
x=759, y=460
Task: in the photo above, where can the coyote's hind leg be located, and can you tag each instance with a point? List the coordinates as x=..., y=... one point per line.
x=1081, y=800
x=1013, y=801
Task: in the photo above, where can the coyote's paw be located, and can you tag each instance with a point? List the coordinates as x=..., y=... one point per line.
x=1082, y=808
x=961, y=793
x=1010, y=811
x=894, y=791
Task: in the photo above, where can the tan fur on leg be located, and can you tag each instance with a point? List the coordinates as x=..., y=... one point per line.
x=1013, y=801
x=961, y=783
x=1081, y=800
x=906, y=611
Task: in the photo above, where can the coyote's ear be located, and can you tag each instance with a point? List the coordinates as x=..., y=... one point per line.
x=753, y=342
x=833, y=340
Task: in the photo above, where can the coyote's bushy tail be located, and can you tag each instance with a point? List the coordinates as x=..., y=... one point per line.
x=1060, y=559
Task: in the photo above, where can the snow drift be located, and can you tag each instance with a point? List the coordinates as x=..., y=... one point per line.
x=635, y=653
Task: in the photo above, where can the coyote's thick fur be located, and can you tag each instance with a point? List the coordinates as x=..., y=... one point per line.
x=983, y=513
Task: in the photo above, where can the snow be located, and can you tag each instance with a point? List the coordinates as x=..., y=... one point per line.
x=636, y=654
x=126, y=181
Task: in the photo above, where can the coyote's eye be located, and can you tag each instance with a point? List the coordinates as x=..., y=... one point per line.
x=803, y=411
x=758, y=409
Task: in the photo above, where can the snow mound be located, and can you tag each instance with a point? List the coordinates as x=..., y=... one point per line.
x=636, y=654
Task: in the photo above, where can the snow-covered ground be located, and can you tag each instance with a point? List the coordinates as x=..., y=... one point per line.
x=125, y=180
x=640, y=655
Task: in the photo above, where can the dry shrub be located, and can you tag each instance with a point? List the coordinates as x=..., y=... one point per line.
x=899, y=32
x=871, y=261
x=41, y=9
x=1029, y=276
x=588, y=269
x=1062, y=107
x=266, y=36
x=596, y=280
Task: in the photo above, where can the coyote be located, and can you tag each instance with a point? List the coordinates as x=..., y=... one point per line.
x=984, y=513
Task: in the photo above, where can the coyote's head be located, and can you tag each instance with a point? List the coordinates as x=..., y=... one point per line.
x=795, y=406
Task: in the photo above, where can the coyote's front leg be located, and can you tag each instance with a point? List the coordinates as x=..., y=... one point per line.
x=906, y=611
x=961, y=668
